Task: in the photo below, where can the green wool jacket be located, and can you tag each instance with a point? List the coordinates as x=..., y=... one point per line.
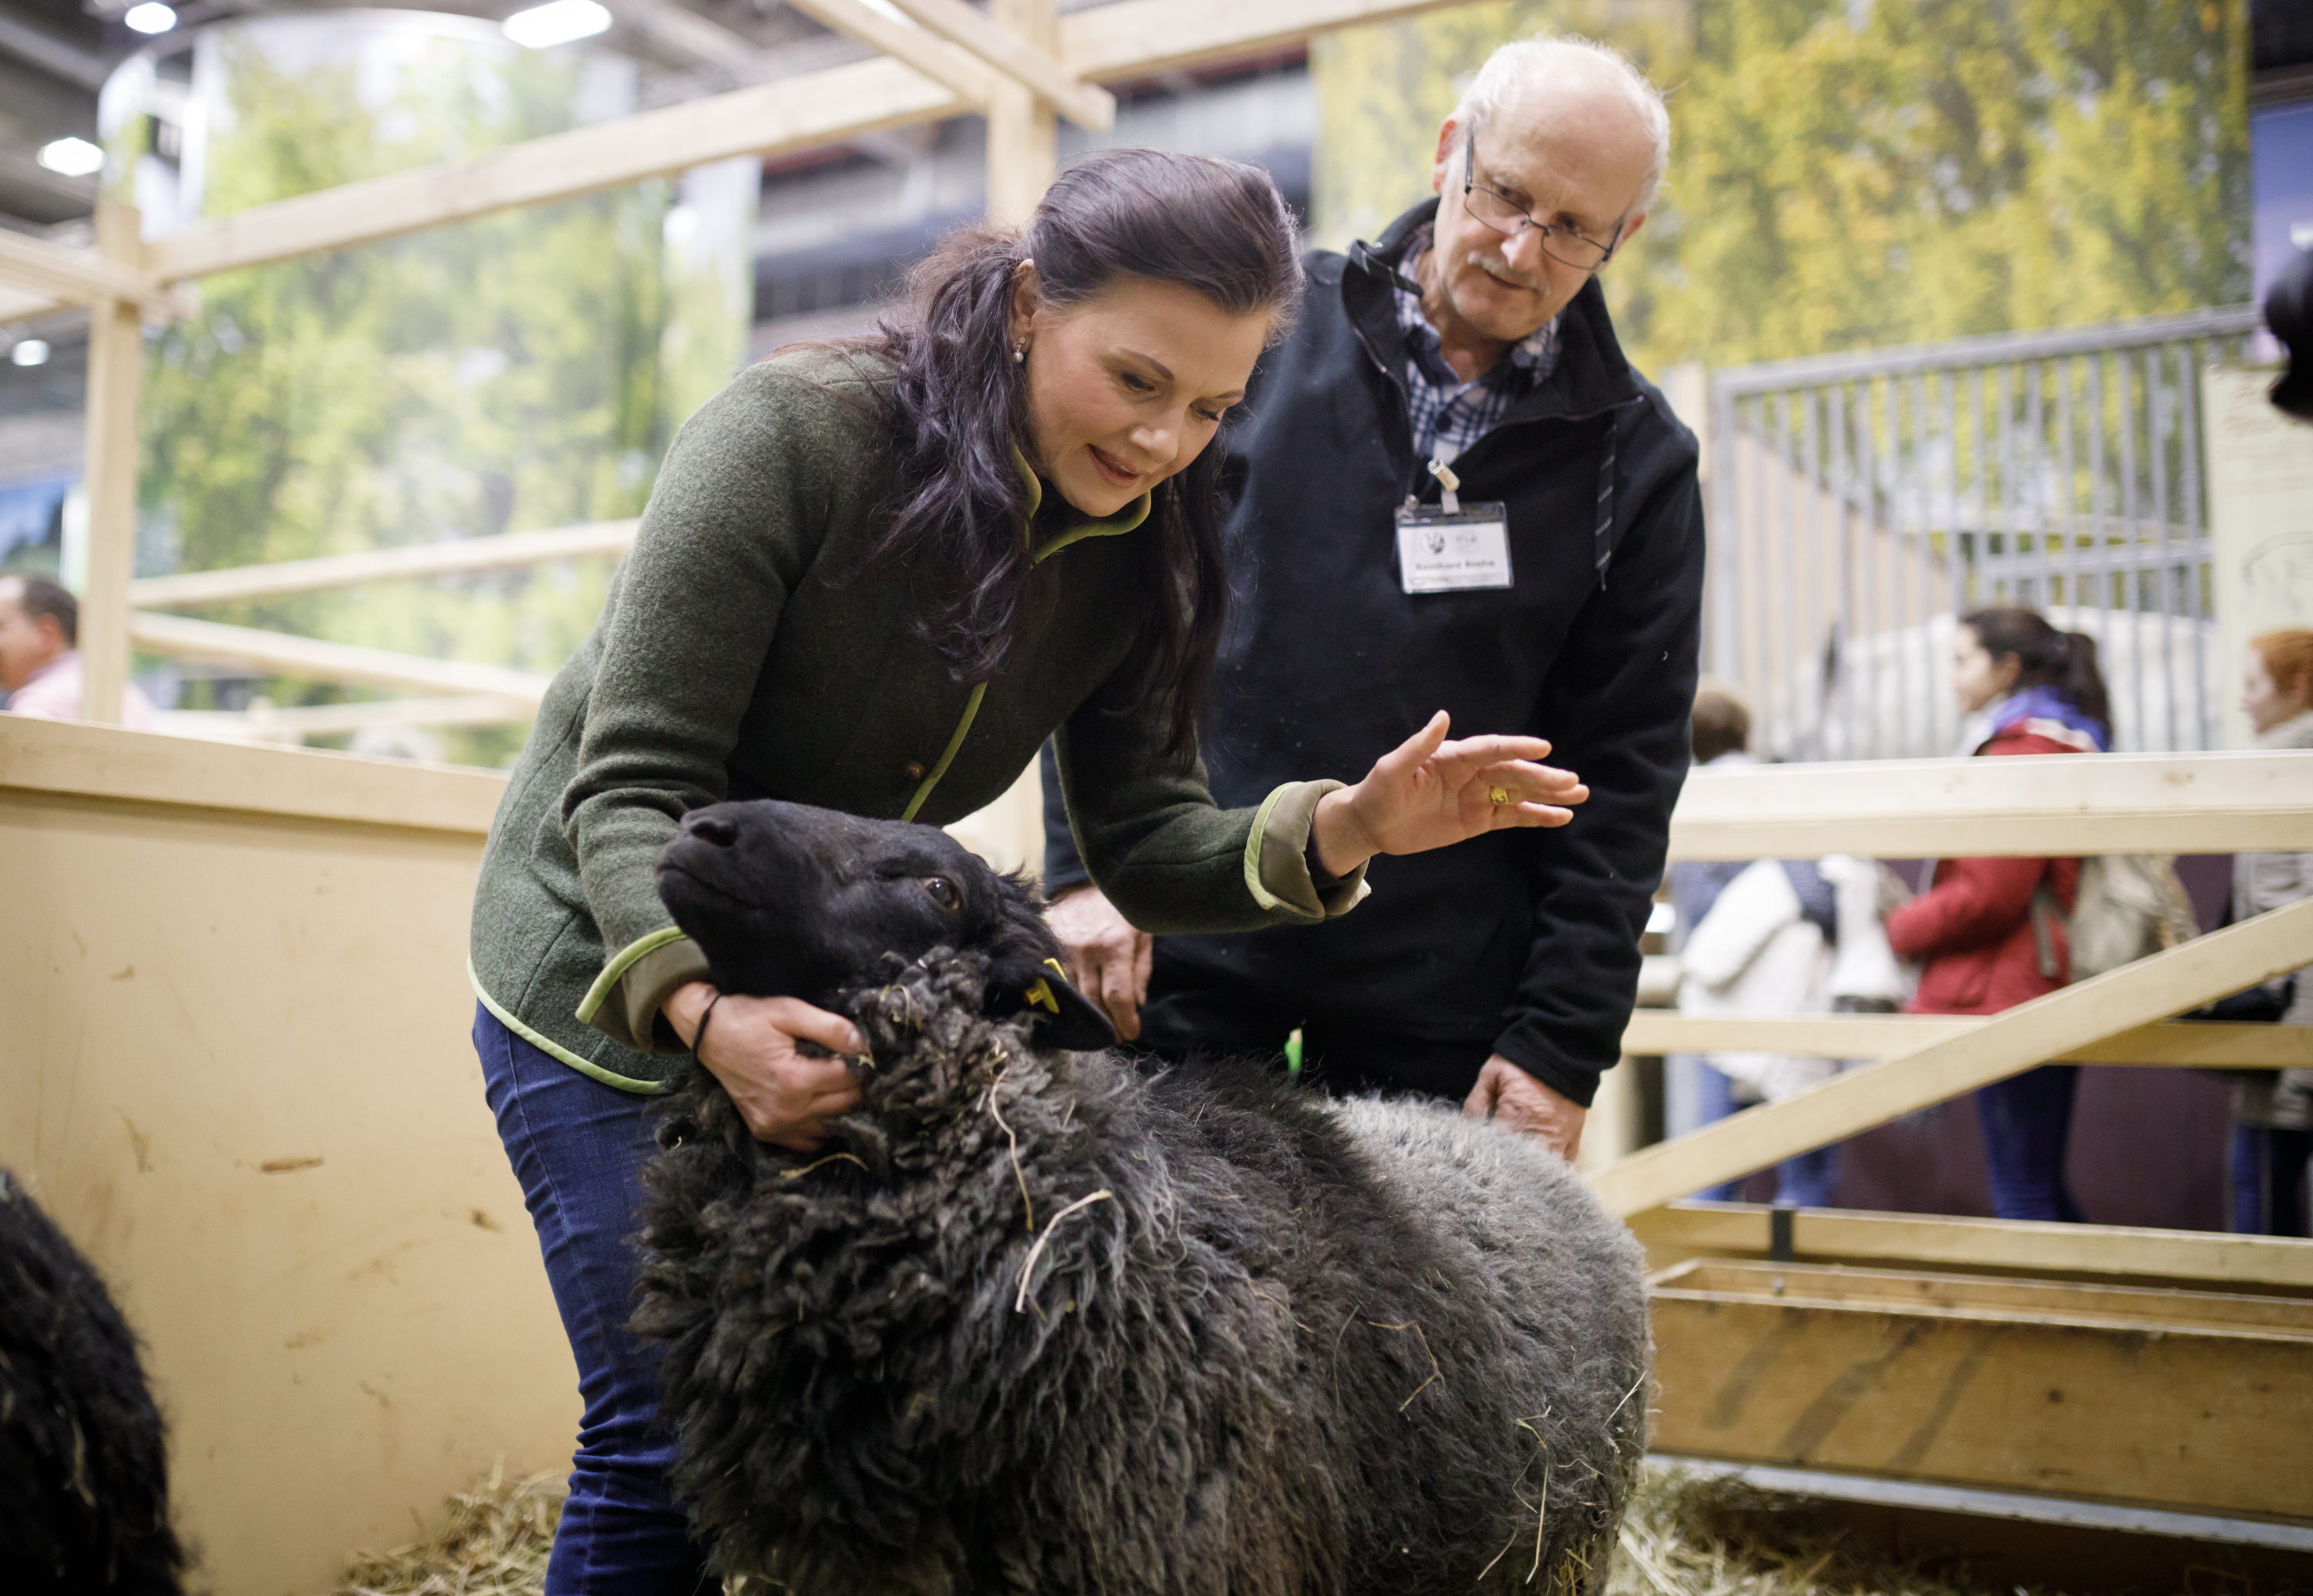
x=750, y=648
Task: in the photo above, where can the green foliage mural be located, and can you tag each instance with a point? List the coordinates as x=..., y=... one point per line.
x=1847, y=175
x=520, y=372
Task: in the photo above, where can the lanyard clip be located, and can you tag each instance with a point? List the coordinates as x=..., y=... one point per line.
x=1450, y=487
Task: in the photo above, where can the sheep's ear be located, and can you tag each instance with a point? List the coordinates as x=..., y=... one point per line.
x=1062, y=1016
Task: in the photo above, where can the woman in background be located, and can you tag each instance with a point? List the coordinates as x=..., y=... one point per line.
x=2272, y=1116
x=2027, y=688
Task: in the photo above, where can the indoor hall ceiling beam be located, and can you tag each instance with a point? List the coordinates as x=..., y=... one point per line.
x=51, y=54
x=1086, y=104
x=1131, y=39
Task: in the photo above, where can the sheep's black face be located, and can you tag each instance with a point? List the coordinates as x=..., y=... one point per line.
x=787, y=900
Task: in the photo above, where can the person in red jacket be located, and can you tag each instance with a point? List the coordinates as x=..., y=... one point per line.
x=2027, y=688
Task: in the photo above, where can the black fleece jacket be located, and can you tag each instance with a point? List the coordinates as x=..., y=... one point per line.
x=1528, y=939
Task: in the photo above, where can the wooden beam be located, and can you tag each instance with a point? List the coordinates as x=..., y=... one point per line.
x=2164, y=1398
x=1131, y=39
x=1023, y=140
x=953, y=69
x=110, y=766
x=116, y=376
x=797, y=113
x=1673, y=1234
x=1018, y=56
x=507, y=551
x=312, y=720
x=1142, y=38
x=92, y=278
x=315, y=660
x=2137, y=994
x=2176, y=1045
x=2057, y=804
x=17, y=305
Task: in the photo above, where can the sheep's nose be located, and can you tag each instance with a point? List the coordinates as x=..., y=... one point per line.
x=710, y=829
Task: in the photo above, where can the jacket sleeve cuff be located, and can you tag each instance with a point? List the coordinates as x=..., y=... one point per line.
x=1276, y=858
x=1575, y=1082
x=623, y=1003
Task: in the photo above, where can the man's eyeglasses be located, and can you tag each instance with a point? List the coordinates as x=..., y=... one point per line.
x=1500, y=212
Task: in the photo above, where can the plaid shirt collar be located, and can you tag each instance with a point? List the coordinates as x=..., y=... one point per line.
x=1449, y=414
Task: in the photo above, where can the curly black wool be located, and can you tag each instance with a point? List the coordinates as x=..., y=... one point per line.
x=1029, y=1321
x=83, y=1474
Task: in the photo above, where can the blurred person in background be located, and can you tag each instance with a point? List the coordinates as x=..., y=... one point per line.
x=2024, y=688
x=2272, y=1113
x=40, y=654
x=1753, y=938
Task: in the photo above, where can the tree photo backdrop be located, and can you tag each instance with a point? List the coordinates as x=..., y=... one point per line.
x=1847, y=175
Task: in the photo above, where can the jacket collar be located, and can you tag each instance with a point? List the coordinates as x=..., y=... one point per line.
x=1591, y=375
x=1125, y=520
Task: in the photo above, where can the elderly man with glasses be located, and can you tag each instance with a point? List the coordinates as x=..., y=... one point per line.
x=1451, y=490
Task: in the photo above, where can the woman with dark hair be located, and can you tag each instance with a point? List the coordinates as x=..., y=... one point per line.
x=875, y=577
x=2026, y=688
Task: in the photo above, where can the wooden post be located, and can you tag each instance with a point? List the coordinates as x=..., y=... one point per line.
x=1022, y=135
x=116, y=372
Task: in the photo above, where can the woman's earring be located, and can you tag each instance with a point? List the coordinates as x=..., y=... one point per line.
x=1019, y=353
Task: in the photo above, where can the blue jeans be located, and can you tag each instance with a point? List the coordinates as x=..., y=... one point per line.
x=2269, y=1180
x=2028, y=1122
x=1804, y=1181
x=577, y=1147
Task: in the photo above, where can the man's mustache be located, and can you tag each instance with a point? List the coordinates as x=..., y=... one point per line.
x=1501, y=268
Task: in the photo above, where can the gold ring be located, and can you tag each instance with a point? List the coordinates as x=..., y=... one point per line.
x=1500, y=795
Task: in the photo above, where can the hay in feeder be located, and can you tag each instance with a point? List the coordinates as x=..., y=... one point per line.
x=1690, y=1534
x=495, y=1544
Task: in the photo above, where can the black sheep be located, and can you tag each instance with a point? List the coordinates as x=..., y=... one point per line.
x=1030, y=1321
x=83, y=1473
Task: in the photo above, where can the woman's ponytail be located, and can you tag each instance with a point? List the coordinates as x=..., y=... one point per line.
x=2082, y=686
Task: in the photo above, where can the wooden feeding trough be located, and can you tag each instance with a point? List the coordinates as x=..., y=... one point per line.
x=2174, y=1399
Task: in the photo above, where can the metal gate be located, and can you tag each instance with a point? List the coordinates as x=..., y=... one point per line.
x=1859, y=503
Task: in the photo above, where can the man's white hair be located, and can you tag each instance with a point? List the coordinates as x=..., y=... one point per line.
x=1531, y=63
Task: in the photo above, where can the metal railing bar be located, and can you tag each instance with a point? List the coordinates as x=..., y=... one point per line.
x=1866, y=472
x=2130, y=507
x=2190, y=429
x=2157, y=409
x=1989, y=350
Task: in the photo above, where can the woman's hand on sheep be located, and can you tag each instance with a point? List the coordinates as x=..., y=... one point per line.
x=786, y=1096
x=1429, y=793
x=1110, y=955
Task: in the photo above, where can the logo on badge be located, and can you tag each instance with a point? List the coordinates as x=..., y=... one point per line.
x=1435, y=542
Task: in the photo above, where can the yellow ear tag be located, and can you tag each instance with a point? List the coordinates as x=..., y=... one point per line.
x=1040, y=996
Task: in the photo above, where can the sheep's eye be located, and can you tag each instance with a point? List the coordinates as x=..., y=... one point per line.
x=942, y=889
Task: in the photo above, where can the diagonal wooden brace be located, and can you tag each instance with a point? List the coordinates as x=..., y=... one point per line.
x=1087, y=105
x=2184, y=977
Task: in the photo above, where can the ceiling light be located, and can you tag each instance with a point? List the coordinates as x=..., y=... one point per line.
x=152, y=17
x=75, y=157
x=29, y=351
x=559, y=21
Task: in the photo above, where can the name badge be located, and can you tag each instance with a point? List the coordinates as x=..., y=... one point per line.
x=1442, y=551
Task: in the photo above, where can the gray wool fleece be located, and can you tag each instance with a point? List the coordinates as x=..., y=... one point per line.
x=750, y=649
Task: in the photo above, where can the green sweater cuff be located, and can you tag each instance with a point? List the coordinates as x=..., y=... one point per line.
x=624, y=1002
x=1277, y=857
